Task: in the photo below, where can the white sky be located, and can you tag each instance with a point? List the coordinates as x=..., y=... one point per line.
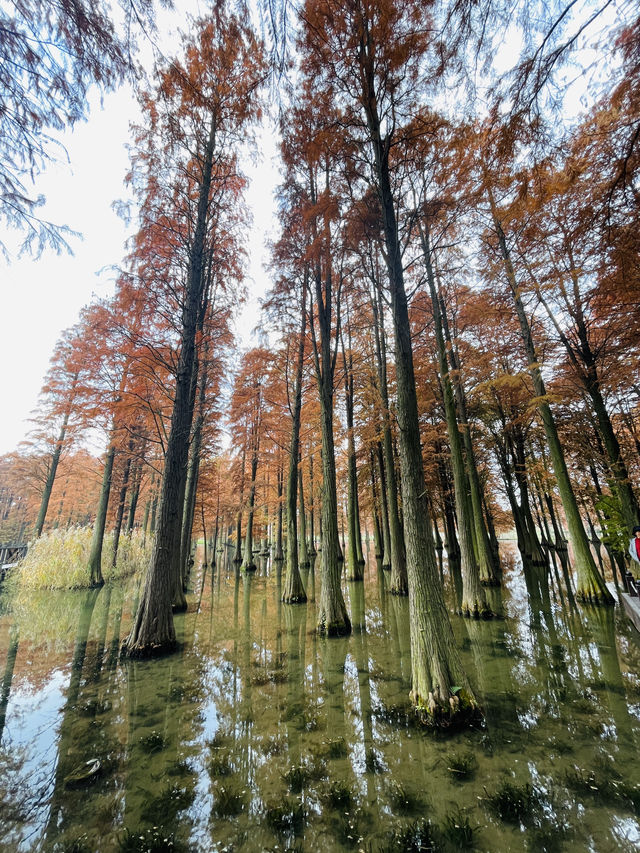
x=40, y=298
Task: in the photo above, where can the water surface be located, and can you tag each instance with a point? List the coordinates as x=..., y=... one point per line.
x=257, y=735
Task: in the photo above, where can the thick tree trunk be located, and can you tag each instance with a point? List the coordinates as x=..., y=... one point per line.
x=153, y=630
x=440, y=688
x=332, y=617
x=95, y=557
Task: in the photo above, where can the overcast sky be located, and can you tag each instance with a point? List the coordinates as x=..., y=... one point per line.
x=39, y=298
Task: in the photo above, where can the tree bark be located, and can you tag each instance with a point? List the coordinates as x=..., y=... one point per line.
x=95, y=557
x=474, y=602
x=153, y=631
x=53, y=466
x=591, y=586
x=396, y=557
x=440, y=689
x=293, y=591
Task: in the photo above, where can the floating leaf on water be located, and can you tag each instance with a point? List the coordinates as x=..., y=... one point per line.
x=84, y=774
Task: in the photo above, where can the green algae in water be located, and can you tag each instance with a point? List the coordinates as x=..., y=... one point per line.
x=325, y=753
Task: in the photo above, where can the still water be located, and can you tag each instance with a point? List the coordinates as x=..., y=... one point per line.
x=260, y=736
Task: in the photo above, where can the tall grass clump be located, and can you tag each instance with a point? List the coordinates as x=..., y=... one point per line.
x=59, y=559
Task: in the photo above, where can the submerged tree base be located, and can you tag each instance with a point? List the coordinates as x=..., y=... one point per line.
x=336, y=628
x=300, y=598
x=477, y=610
x=460, y=712
x=600, y=597
x=145, y=651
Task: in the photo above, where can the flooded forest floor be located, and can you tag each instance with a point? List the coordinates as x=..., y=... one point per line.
x=258, y=735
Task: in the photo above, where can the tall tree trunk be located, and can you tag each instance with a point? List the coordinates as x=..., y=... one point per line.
x=293, y=590
x=585, y=363
x=153, y=631
x=440, y=688
x=279, y=554
x=332, y=616
x=312, y=506
x=375, y=502
x=352, y=561
x=135, y=494
x=53, y=465
x=121, y=502
x=95, y=556
x=488, y=566
x=591, y=586
x=304, y=559
x=384, y=506
x=474, y=602
x=248, y=563
x=7, y=677
x=193, y=470
x=396, y=558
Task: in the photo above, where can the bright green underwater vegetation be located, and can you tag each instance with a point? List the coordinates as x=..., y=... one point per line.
x=257, y=735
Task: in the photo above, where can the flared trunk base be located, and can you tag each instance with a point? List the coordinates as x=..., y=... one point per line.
x=592, y=595
x=144, y=651
x=459, y=712
x=476, y=610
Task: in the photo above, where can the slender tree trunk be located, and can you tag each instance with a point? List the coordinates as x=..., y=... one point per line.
x=248, y=563
x=474, y=602
x=53, y=466
x=488, y=566
x=135, y=494
x=293, y=591
x=384, y=506
x=121, y=502
x=352, y=560
x=375, y=501
x=585, y=362
x=95, y=557
x=279, y=554
x=397, y=558
x=192, y=473
x=237, y=557
x=7, y=677
x=305, y=560
x=312, y=505
x=591, y=586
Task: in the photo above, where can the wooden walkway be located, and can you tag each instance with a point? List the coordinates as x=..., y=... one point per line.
x=10, y=553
